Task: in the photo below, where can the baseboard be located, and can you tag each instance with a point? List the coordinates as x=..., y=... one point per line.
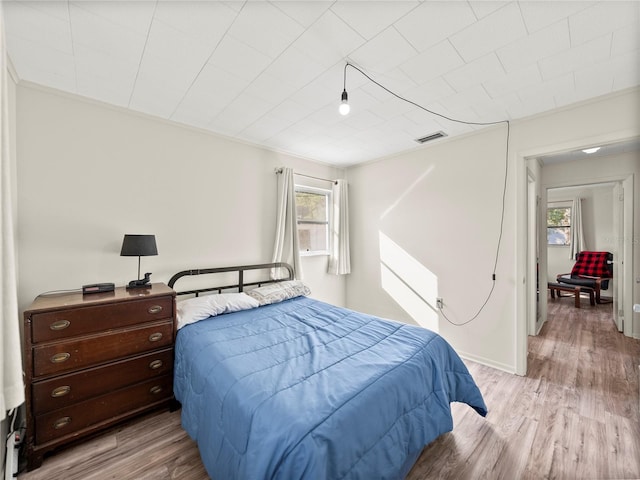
x=488, y=362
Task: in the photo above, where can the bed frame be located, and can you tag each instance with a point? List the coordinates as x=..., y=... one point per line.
x=238, y=287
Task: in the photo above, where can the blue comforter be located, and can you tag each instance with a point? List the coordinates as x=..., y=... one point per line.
x=306, y=390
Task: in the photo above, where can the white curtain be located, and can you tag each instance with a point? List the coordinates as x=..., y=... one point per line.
x=11, y=386
x=286, y=247
x=340, y=260
x=577, y=232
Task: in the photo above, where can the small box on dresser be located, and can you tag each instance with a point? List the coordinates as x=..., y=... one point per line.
x=94, y=360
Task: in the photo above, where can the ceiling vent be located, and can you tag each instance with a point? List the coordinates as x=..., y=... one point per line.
x=433, y=136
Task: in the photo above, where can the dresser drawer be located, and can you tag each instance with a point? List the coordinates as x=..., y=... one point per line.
x=65, y=390
x=60, y=357
x=61, y=324
x=66, y=421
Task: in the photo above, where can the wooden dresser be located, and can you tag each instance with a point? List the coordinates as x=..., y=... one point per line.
x=94, y=360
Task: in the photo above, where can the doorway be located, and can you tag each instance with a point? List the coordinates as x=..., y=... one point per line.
x=566, y=172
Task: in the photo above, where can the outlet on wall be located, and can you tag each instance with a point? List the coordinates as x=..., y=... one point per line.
x=439, y=303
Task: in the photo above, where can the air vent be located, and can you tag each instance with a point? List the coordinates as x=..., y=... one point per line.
x=433, y=136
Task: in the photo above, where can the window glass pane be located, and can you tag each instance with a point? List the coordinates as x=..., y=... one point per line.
x=559, y=217
x=312, y=237
x=558, y=236
x=311, y=206
x=559, y=226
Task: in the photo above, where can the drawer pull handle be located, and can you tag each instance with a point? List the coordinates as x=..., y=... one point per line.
x=156, y=364
x=61, y=423
x=60, y=357
x=153, y=309
x=155, y=389
x=154, y=337
x=59, y=325
x=60, y=391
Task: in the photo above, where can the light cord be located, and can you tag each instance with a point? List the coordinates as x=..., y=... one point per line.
x=504, y=188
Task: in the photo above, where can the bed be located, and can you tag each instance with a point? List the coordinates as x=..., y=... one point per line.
x=277, y=385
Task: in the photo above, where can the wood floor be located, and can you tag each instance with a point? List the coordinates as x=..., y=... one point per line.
x=574, y=416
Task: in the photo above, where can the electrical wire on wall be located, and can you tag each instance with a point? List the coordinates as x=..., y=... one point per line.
x=343, y=109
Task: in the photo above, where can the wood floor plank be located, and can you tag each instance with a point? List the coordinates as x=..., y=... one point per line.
x=574, y=416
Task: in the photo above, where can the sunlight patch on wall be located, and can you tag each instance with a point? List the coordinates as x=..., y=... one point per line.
x=406, y=192
x=409, y=283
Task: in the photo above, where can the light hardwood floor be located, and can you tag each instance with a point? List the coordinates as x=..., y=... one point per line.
x=574, y=416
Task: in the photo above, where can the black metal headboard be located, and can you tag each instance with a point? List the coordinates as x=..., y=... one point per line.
x=236, y=286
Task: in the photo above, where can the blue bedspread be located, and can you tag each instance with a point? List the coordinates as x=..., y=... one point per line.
x=306, y=390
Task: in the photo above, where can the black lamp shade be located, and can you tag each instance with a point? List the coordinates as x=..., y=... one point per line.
x=139, y=246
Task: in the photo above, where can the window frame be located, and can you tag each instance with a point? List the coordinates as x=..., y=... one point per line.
x=569, y=226
x=328, y=194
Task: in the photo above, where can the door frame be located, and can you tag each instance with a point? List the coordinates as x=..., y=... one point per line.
x=522, y=234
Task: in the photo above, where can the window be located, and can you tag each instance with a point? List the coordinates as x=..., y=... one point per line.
x=312, y=206
x=559, y=225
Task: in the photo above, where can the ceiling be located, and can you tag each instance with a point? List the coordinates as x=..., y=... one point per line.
x=271, y=72
x=607, y=150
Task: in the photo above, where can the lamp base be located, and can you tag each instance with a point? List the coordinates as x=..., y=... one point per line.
x=141, y=283
x=133, y=285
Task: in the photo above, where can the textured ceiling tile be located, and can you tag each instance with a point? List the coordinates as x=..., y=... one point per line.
x=626, y=40
x=26, y=23
x=103, y=90
x=265, y=28
x=209, y=94
x=474, y=73
x=100, y=67
x=433, y=22
x=432, y=63
x=305, y=13
x=513, y=81
x=542, y=44
x=368, y=21
x=205, y=21
x=156, y=97
x=547, y=95
x=242, y=112
x=295, y=68
x=483, y=8
x=362, y=120
x=538, y=15
x=239, y=59
x=97, y=33
x=49, y=67
x=490, y=33
x=429, y=91
x=602, y=18
x=289, y=112
x=384, y=52
x=269, y=88
x=328, y=40
x=316, y=95
x=264, y=128
x=575, y=58
x=167, y=45
x=590, y=80
x=626, y=70
x=134, y=16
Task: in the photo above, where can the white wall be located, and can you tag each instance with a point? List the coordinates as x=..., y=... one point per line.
x=89, y=173
x=441, y=205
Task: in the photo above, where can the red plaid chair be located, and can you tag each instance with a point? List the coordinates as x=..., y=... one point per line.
x=593, y=270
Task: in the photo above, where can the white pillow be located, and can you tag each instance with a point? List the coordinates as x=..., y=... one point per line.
x=233, y=302
x=195, y=309
x=277, y=292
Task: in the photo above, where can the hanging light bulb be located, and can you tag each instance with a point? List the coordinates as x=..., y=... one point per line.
x=344, y=105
